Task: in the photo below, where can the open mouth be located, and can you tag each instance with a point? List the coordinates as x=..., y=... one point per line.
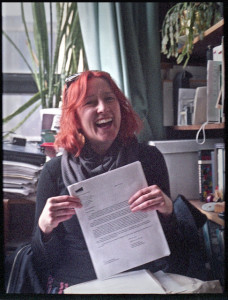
x=104, y=122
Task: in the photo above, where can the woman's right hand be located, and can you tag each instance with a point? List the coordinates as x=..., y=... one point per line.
x=56, y=210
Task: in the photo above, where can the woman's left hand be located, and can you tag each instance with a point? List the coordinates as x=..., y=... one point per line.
x=151, y=198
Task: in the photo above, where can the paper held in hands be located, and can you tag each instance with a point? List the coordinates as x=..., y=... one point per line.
x=117, y=238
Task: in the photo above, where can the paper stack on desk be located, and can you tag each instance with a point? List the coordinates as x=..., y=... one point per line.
x=20, y=178
x=135, y=282
x=21, y=169
x=144, y=282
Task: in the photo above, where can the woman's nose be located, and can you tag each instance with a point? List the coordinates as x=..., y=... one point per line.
x=101, y=106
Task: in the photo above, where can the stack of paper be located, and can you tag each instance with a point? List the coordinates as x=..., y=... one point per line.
x=21, y=170
x=20, y=178
x=135, y=282
x=144, y=282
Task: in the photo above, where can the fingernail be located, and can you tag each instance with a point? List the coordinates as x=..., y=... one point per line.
x=134, y=209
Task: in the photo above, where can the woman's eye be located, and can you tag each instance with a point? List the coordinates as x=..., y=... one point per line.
x=91, y=102
x=109, y=99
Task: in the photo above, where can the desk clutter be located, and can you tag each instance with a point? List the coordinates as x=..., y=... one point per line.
x=22, y=165
x=214, y=207
x=211, y=170
x=144, y=282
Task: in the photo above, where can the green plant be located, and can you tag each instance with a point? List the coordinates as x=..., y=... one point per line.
x=47, y=57
x=189, y=19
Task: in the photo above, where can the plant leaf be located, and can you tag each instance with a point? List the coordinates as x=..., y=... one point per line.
x=30, y=102
x=19, y=51
x=23, y=121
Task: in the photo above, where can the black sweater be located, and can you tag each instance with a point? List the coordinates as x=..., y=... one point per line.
x=65, y=256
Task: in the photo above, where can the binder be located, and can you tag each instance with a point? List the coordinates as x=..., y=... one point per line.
x=29, y=154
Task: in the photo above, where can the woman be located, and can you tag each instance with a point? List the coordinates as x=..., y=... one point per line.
x=97, y=134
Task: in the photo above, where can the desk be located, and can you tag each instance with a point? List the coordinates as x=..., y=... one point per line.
x=18, y=221
x=215, y=254
x=212, y=216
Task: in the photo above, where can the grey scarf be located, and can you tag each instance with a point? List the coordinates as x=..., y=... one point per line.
x=89, y=163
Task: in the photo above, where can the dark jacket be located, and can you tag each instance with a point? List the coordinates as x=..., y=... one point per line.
x=65, y=256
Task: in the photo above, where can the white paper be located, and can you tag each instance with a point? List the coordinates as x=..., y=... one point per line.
x=179, y=284
x=144, y=282
x=185, y=99
x=117, y=238
x=200, y=106
x=169, y=283
x=135, y=282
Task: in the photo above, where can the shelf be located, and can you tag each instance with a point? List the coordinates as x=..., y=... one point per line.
x=197, y=127
x=212, y=36
x=216, y=29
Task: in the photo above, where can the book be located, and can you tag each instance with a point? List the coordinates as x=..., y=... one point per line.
x=219, y=166
x=205, y=174
x=214, y=70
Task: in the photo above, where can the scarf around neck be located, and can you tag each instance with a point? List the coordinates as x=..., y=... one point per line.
x=90, y=164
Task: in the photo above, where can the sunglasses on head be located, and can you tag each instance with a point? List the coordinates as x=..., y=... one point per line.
x=71, y=79
x=75, y=76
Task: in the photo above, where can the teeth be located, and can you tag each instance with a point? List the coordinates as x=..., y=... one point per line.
x=103, y=121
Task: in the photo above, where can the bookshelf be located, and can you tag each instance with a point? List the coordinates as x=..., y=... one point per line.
x=197, y=127
x=212, y=37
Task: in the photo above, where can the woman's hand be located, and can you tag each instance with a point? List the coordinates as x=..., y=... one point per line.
x=151, y=198
x=56, y=210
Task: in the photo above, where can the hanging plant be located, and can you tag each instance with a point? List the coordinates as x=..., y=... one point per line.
x=51, y=63
x=182, y=23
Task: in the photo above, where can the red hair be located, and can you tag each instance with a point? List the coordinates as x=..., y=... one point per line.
x=69, y=137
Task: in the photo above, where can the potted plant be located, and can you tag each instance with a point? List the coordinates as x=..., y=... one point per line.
x=47, y=57
x=182, y=23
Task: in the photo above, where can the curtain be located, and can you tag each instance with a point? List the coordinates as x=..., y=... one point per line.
x=122, y=38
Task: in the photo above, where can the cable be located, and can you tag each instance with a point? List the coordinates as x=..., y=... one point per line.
x=204, y=135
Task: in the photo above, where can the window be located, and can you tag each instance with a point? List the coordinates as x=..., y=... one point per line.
x=18, y=84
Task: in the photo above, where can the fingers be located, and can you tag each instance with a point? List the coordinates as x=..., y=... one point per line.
x=150, y=198
x=64, y=202
x=62, y=206
x=57, y=210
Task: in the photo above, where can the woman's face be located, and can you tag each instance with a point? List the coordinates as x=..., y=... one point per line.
x=100, y=115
